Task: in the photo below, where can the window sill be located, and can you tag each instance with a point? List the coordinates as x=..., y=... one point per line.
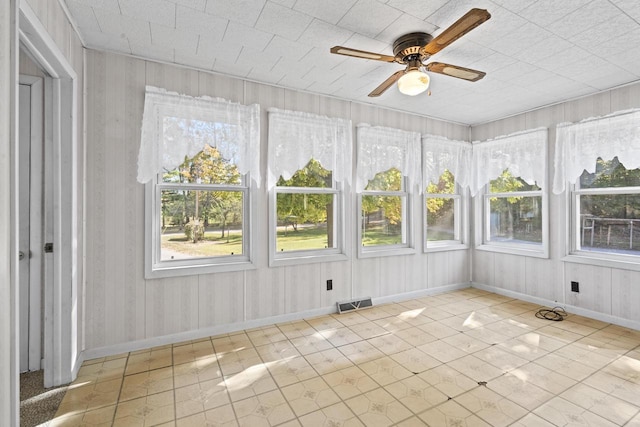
x=443, y=247
x=381, y=251
x=602, y=260
x=190, y=270
x=297, y=259
x=515, y=250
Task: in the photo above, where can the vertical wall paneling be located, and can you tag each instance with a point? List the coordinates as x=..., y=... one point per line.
x=483, y=267
x=302, y=287
x=172, y=306
x=625, y=294
x=510, y=272
x=220, y=298
x=438, y=269
x=265, y=293
x=590, y=106
x=625, y=98
x=595, y=287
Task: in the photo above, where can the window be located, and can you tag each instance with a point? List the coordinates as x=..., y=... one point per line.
x=309, y=166
x=512, y=213
x=443, y=207
x=388, y=169
x=198, y=152
x=606, y=210
x=446, y=174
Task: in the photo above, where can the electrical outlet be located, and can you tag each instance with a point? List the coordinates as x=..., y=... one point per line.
x=329, y=284
x=575, y=287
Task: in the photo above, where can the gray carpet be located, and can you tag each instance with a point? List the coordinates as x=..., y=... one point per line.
x=38, y=404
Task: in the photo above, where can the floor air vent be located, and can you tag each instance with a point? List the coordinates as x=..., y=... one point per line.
x=355, y=304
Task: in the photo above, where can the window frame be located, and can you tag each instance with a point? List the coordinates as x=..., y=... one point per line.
x=313, y=255
x=406, y=248
x=483, y=222
x=157, y=268
x=461, y=221
x=602, y=258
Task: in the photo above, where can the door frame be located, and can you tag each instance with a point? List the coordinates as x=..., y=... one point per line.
x=62, y=356
x=36, y=217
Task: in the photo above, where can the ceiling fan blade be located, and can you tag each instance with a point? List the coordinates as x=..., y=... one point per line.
x=455, y=71
x=462, y=26
x=386, y=84
x=341, y=50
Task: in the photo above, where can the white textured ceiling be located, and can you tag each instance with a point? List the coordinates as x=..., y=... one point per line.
x=535, y=52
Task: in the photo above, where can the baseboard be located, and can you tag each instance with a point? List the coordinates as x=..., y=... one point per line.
x=202, y=333
x=603, y=317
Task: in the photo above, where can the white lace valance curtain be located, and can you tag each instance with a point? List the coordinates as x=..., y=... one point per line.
x=440, y=154
x=523, y=153
x=296, y=137
x=579, y=145
x=175, y=126
x=381, y=148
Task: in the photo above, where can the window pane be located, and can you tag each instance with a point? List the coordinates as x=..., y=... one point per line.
x=440, y=219
x=610, y=173
x=305, y=221
x=312, y=175
x=390, y=180
x=610, y=223
x=197, y=224
x=516, y=219
x=445, y=185
x=382, y=218
x=206, y=167
x=507, y=183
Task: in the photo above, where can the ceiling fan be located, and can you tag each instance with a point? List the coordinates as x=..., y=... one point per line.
x=414, y=49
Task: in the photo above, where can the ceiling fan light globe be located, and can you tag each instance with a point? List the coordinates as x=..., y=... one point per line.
x=413, y=82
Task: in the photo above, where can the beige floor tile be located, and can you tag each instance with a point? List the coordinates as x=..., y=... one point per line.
x=487, y=336
x=266, y=335
x=102, y=417
x=328, y=361
x=368, y=330
x=493, y=408
x=249, y=382
x=89, y=396
x=192, y=352
x=438, y=330
x=338, y=415
x=598, y=402
x=476, y=369
x=414, y=304
x=296, y=329
x=309, y=396
x=350, y=382
x=237, y=361
x=559, y=334
x=360, y=352
x=378, y=408
x=101, y=371
x=323, y=323
x=200, y=397
x=340, y=336
x=375, y=313
x=634, y=422
x=390, y=344
x=615, y=386
x=222, y=416
x=520, y=391
x=451, y=413
x=385, y=370
x=560, y=412
x=625, y=367
x=436, y=314
x=149, y=360
x=576, y=328
x=415, y=336
x=277, y=351
x=291, y=370
x=415, y=360
x=148, y=411
x=416, y=394
x=522, y=349
x=541, y=341
x=532, y=420
x=311, y=343
x=198, y=371
x=442, y=351
x=411, y=422
x=268, y=409
x=350, y=319
x=569, y=368
x=553, y=382
x=146, y=383
x=448, y=381
x=501, y=359
x=231, y=343
x=508, y=328
x=596, y=324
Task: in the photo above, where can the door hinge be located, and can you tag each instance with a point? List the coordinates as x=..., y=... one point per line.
x=48, y=247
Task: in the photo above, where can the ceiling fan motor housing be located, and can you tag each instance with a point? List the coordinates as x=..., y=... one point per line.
x=411, y=47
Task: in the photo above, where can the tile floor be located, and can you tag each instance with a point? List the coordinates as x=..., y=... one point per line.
x=464, y=358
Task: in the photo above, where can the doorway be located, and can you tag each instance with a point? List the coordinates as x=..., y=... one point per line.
x=31, y=220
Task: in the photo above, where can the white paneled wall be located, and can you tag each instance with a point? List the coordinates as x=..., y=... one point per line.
x=123, y=308
x=611, y=292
